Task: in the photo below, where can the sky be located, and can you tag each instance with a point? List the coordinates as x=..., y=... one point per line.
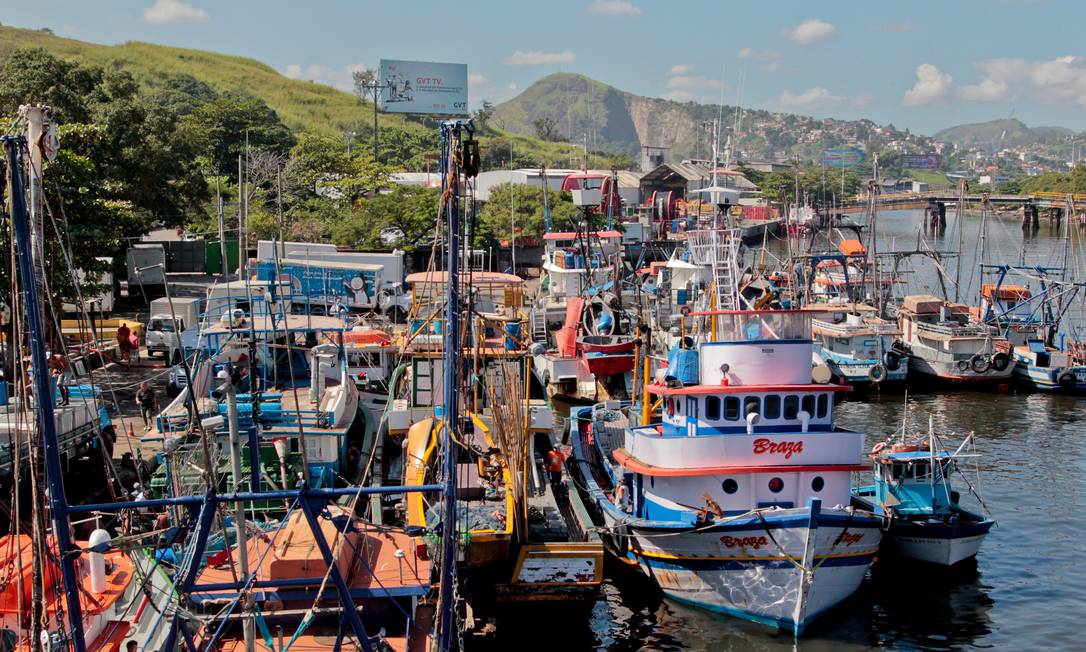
x=922, y=65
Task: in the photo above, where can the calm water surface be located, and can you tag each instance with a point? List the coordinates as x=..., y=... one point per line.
x=1028, y=587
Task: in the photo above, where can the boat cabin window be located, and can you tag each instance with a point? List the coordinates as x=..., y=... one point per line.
x=898, y=471
x=751, y=404
x=712, y=408
x=817, y=484
x=823, y=405
x=730, y=486
x=843, y=341
x=870, y=343
x=776, y=485
x=731, y=408
x=921, y=470
x=671, y=407
x=791, y=406
x=772, y=407
x=809, y=404
x=365, y=358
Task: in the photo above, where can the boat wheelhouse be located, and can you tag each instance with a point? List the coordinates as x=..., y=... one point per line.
x=738, y=498
x=858, y=349
x=577, y=264
x=912, y=488
x=943, y=342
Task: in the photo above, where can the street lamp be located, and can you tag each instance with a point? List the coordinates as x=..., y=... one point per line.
x=374, y=85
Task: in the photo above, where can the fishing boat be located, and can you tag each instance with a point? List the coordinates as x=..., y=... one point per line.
x=943, y=342
x=1043, y=359
x=737, y=499
x=576, y=264
x=523, y=548
x=912, y=489
x=593, y=351
x=858, y=349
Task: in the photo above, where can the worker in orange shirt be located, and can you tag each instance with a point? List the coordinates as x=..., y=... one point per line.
x=555, y=458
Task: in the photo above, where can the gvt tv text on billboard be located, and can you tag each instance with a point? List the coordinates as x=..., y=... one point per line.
x=920, y=161
x=424, y=87
x=842, y=157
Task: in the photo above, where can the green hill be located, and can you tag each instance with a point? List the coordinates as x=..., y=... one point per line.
x=301, y=105
x=997, y=134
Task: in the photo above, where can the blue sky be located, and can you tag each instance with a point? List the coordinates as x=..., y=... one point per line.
x=924, y=64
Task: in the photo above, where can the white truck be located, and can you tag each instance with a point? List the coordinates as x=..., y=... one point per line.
x=163, y=332
x=146, y=264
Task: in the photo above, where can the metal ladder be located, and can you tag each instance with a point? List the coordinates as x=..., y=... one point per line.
x=719, y=249
x=538, y=323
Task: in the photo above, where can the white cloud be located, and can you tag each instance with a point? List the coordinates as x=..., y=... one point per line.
x=810, y=99
x=931, y=85
x=988, y=90
x=900, y=26
x=692, y=82
x=613, y=8
x=341, y=78
x=680, y=96
x=536, y=58
x=1057, y=81
x=810, y=31
x=679, y=69
x=474, y=79
x=173, y=12
x=770, y=59
x=758, y=55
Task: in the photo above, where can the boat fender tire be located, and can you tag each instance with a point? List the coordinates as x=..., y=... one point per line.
x=893, y=361
x=963, y=365
x=980, y=364
x=1066, y=380
x=877, y=373
x=1000, y=361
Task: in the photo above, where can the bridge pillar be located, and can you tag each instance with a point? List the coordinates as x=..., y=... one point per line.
x=942, y=215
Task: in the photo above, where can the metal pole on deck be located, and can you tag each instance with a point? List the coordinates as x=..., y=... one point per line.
x=43, y=395
x=248, y=625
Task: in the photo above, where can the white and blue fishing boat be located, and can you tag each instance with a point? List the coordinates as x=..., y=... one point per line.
x=912, y=489
x=859, y=350
x=738, y=499
x=1031, y=323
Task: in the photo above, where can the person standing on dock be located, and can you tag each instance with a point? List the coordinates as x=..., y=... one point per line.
x=60, y=369
x=555, y=458
x=145, y=398
x=123, y=344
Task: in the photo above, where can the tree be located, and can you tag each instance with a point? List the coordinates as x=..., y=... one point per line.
x=483, y=115
x=33, y=76
x=403, y=217
x=225, y=125
x=527, y=202
x=364, y=81
x=546, y=128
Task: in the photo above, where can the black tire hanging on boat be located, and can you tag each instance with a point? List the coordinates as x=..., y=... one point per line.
x=892, y=360
x=963, y=365
x=1066, y=380
x=1000, y=361
x=877, y=373
x=980, y=364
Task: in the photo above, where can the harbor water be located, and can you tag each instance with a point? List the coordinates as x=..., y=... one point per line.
x=1027, y=589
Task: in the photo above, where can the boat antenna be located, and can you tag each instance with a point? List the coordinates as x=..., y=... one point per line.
x=905, y=416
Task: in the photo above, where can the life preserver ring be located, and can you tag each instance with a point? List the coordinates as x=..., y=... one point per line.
x=877, y=448
x=1066, y=380
x=1000, y=361
x=892, y=360
x=963, y=365
x=877, y=373
x=980, y=364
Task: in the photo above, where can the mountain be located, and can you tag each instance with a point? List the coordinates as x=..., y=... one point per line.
x=578, y=107
x=998, y=134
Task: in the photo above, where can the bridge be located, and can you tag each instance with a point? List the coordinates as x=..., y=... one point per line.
x=924, y=200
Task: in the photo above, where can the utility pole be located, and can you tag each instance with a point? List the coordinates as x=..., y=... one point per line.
x=241, y=218
x=222, y=229
x=512, y=213
x=279, y=203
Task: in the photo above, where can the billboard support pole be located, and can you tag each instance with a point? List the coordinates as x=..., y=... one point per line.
x=376, y=92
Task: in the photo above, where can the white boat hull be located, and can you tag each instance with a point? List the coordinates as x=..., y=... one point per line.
x=757, y=571
x=945, y=552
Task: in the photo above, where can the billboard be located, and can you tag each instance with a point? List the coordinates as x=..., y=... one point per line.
x=424, y=87
x=842, y=157
x=920, y=161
